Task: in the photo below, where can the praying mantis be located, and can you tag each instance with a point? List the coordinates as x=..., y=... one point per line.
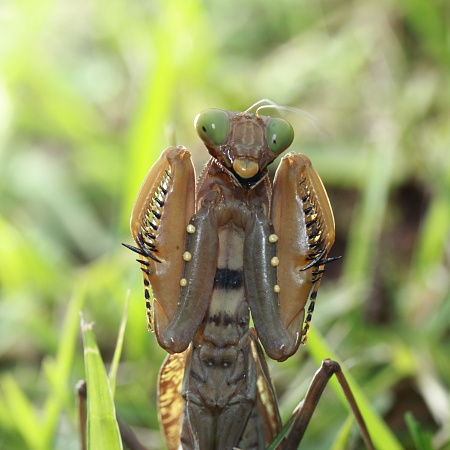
x=221, y=252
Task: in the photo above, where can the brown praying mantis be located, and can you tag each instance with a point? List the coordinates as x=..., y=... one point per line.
x=220, y=253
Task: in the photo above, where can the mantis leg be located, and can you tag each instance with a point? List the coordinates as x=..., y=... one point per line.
x=197, y=283
x=304, y=225
x=289, y=262
x=284, y=262
x=172, y=241
x=162, y=210
x=306, y=409
x=261, y=286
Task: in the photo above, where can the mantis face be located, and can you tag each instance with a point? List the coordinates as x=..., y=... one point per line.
x=243, y=143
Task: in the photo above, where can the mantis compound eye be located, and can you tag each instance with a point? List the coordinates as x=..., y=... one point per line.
x=212, y=126
x=279, y=135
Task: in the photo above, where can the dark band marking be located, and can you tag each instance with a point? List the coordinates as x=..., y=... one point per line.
x=216, y=319
x=228, y=320
x=222, y=319
x=228, y=279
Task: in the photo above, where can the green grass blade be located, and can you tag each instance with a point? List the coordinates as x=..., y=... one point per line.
x=118, y=350
x=341, y=441
x=422, y=440
x=381, y=435
x=57, y=371
x=282, y=434
x=102, y=429
x=22, y=412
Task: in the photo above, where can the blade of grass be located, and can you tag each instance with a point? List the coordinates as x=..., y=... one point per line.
x=38, y=433
x=422, y=440
x=159, y=93
x=118, y=350
x=22, y=412
x=58, y=370
x=341, y=441
x=102, y=428
x=282, y=434
x=366, y=228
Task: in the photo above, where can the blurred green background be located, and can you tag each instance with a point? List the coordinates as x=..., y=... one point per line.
x=91, y=92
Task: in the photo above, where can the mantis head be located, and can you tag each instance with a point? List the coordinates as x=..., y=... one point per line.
x=242, y=142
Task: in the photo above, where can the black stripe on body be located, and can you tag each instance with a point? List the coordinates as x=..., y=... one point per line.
x=224, y=319
x=228, y=279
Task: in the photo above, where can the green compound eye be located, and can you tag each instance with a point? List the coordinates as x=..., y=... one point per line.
x=279, y=134
x=212, y=126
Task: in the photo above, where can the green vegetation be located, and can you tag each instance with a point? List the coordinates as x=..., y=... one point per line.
x=92, y=92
